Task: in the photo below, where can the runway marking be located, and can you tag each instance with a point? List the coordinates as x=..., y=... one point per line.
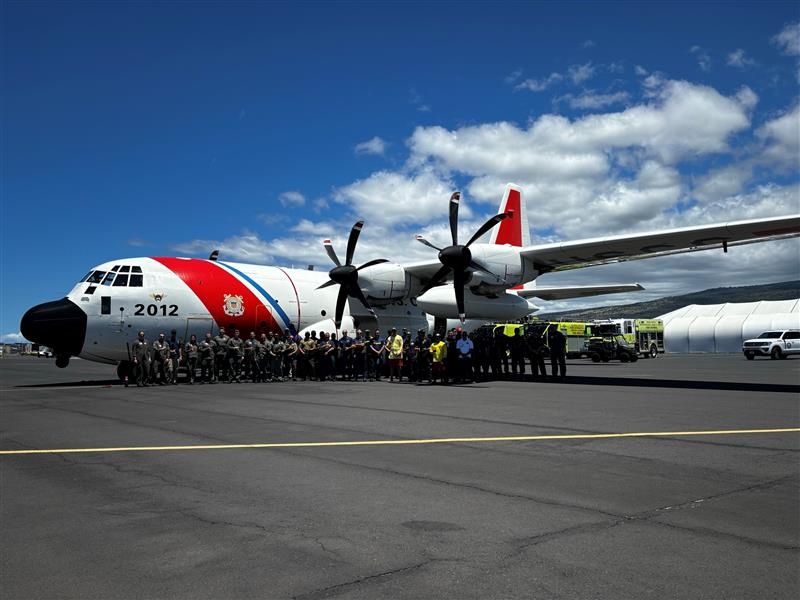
x=521, y=438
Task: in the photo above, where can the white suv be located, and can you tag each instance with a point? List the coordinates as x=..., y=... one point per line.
x=778, y=343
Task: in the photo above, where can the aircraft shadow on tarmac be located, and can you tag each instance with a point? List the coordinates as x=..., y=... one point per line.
x=644, y=382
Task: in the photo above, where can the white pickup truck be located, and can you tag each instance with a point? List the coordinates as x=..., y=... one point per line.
x=778, y=343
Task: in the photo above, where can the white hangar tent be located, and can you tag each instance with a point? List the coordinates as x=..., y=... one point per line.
x=723, y=327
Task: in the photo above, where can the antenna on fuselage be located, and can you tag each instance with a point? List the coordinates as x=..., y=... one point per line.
x=213, y=255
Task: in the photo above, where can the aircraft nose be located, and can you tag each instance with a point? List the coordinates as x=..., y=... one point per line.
x=59, y=325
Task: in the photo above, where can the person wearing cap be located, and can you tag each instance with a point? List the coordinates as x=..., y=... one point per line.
x=394, y=350
x=357, y=365
x=438, y=352
x=344, y=359
x=221, y=356
x=307, y=349
x=235, y=355
x=464, y=348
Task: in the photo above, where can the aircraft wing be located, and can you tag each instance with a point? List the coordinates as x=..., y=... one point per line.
x=576, y=291
x=423, y=270
x=561, y=256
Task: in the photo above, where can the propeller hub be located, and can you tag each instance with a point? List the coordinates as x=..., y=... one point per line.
x=456, y=257
x=343, y=274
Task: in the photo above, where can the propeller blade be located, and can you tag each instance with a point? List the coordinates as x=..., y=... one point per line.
x=331, y=252
x=419, y=238
x=340, y=300
x=454, y=200
x=435, y=280
x=458, y=286
x=351, y=242
x=372, y=263
x=479, y=267
x=328, y=283
x=359, y=295
x=487, y=226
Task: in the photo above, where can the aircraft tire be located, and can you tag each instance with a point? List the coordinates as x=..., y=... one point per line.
x=124, y=369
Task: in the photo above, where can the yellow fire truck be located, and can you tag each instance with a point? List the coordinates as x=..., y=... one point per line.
x=646, y=334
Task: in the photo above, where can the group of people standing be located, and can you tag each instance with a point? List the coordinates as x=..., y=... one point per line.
x=367, y=356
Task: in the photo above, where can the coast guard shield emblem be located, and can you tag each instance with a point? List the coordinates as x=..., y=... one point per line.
x=233, y=306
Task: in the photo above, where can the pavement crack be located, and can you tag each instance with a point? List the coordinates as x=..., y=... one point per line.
x=334, y=590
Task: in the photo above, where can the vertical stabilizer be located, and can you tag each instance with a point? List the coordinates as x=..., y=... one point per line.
x=514, y=230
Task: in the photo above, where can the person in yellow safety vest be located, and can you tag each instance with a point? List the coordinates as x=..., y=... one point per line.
x=438, y=350
x=394, y=348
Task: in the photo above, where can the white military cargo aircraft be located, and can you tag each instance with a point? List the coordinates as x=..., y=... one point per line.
x=100, y=317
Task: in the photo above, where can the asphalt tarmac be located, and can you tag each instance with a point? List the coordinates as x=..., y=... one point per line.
x=493, y=490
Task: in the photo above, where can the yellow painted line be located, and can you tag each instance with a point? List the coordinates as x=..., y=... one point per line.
x=521, y=438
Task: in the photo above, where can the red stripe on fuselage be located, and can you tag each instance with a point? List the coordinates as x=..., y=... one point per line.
x=211, y=283
x=510, y=229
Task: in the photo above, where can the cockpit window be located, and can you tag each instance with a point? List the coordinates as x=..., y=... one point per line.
x=95, y=276
x=121, y=272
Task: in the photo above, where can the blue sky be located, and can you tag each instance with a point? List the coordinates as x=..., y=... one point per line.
x=146, y=129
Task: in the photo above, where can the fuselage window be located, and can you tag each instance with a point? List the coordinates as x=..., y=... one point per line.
x=90, y=289
x=109, y=278
x=105, y=305
x=115, y=268
x=85, y=277
x=136, y=269
x=121, y=280
x=136, y=280
x=96, y=277
x=124, y=269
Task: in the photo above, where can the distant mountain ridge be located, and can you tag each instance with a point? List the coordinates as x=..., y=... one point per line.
x=786, y=290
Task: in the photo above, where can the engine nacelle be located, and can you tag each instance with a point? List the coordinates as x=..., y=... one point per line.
x=503, y=261
x=383, y=282
x=441, y=302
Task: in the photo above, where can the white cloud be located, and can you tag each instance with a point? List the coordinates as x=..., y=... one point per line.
x=513, y=76
x=539, y=85
x=703, y=59
x=738, y=59
x=12, y=338
x=392, y=199
x=374, y=146
x=788, y=40
x=722, y=183
x=417, y=100
x=588, y=44
x=782, y=139
x=292, y=199
x=580, y=73
x=592, y=101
